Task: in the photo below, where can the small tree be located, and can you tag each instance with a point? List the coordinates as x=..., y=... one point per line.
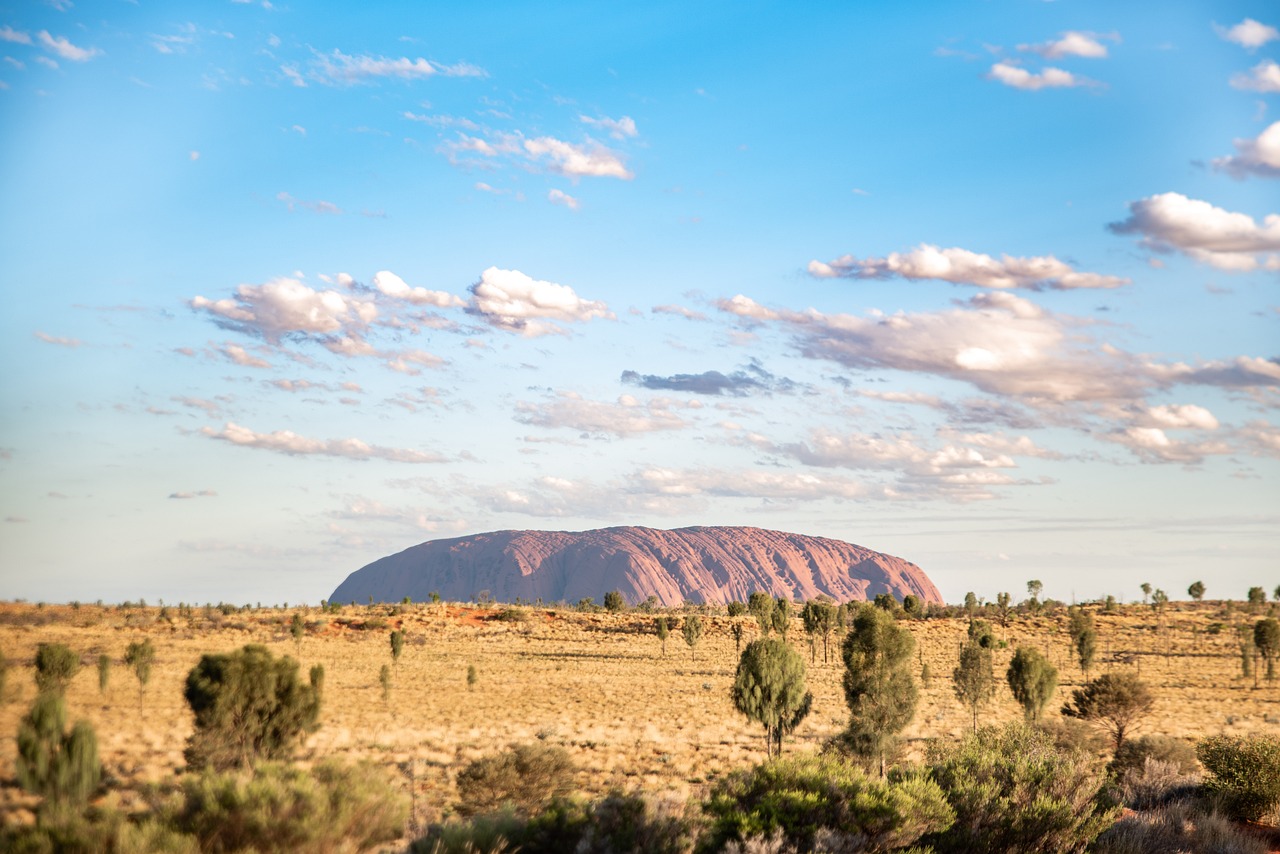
x=761, y=607
x=397, y=645
x=1034, y=587
x=56, y=666
x=61, y=767
x=139, y=656
x=1115, y=701
x=913, y=607
x=663, y=633
x=384, y=679
x=974, y=682
x=736, y=609
x=769, y=688
x=298, y=629
x=736, y=631
x=692, y=633
x=1159, y=599
x=878, y=685
x=249, y=706
x=782, y=616
x=819, y=618
x=1257, y=598
x=1003, y=609
x=613, y=602
x=1084, y=638
x=1266, y=637
x=1146, y=591
x=970, y=605
x=1032, y=679
x=473, y=676
x=104, y=672
x=1196, y=590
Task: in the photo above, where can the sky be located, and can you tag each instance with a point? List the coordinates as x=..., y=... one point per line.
x=291, y=286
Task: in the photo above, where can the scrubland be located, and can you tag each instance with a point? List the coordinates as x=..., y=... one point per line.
x=596, y=683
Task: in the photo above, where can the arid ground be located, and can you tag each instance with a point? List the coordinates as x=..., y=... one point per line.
x=596, y=683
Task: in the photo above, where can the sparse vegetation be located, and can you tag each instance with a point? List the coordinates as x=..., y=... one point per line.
x=973, y=679
x=525, y=778
x=1032, y=679
x=770, y=689
x=1115, y=701
x=56, y=666
x=58, y=765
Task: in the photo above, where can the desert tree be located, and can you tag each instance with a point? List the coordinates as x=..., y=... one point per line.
x=1266, y=638
x=736, y=608
x=972, y=679
x=104, y=672
x=1247, y=652
x=769, y=688
x=1276, y=593
x=886, y=602
x=4, y=675
x=1084, y=637
x=980, y=633
x=1159, y=599
x=970, y=605
x=61, y=767
x=56, y=666
x=1032, y=679
x=1196, y=590
x=663, y=633
x=819, y=618
x=913, y=607
x=384, y=680
x=878, y=685
x=139, y=656
x=397, y=645
x=473, y=676
x=692, y=633
x=249, y=706
x=1115, y=701
x=613, y=602
x=1146, y=591
x=1034, y=588
x=737, y=631
x=782, y=616
x=1003, y=609
x=1257, y=598
x=298, y=629
x=761, y=606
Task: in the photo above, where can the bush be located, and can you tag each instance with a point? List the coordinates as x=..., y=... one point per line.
x=1134, y=753
x=613, y=601
x=1116, y=701
x=525, y=777
x=1156, y=783
x=248, y=706
x=804, y=795
x=1245, y=773
x=1181, y=826
x=281, y=808
x=769, y=688
x=56, y=665
x=1013, y=790
x=61, y=767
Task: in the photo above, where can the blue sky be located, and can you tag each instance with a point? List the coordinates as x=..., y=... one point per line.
x=292, y=286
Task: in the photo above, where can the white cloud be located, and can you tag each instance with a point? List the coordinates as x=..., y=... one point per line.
x=284, y=305
x=1260, y=156
x=678, y=311
x=559, y=197
x=960, y=266
x=395, y=287
x=626, y=417
x=9, y=34
x=320, y=207
x=1154, y=445
x=1049, y=78
x=60, y=341
x=240, y=356
x=1249, y=33
x=65, y=49
x=1072, y=43
x=193, y=156
x=512, y=300
x=288, y=442
x=338, y=68
x=203, y=493
x=1263, y=77
x=576, y=161
x=1184, y=416
x=1229, y=241
x=623, y=128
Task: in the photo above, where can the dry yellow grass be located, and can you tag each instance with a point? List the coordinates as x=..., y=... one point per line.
x=594, y=683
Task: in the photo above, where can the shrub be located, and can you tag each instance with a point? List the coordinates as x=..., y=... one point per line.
x=803, y=795
x=139, y=656
x=769, y=688
x=1244, y=773
x=1116, y=701
x=613, y=601
x=61, y=767
x=56, y=665
x=248, y=706
x=878, y=685
x=972, y=678
x=525, y=777
x=483, y=834
x=1266, y=637
x=281, y=808
x=104, y=672
x=692, y=633
x=1032, y=679
x=397, y=644
x=1181, y=826
x=736, y=609
x=1013, y=790
x=1134, y=753
x=1155, y=783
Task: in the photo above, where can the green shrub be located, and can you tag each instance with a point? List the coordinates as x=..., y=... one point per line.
x=281, y=808
x=1013, y=790
x=56, y=665
x=139, y=657
x=769, y=688
x=248, y=706
x=61, y=767
x=1032, y=679
x=1244, y=773
x=803, y=795
x=613, y=601
x=526, y=777
x=1165, y=748
x=483, y=834
x=736, y=609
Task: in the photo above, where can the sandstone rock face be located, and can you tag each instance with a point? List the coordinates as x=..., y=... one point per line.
x=715, y=564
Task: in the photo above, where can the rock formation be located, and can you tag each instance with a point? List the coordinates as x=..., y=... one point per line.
x=714, y=564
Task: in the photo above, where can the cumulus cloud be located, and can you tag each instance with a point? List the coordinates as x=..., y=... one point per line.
x=285, y=306
x=589, y=159
x=59, y=340
x=1152, y=444
x=625, y=417
x=64, y=49
x=1049, y=78
x=623, y=128
x=1229, y=241
x=389, y=284
x=559, y=197
x=288, y=442
x=1260, y=156
x=515, y=302
x=753, y=379
x=240, y=356
x=319, y=206
x=339, y=69
x=678, y=311
x=1263, y=77
x=9, y=34
x=1249, y=34
x=1182, y=416
x=1072, y=43
x=960, y=266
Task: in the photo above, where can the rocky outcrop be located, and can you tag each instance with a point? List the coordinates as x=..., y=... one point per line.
x=715, y=564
